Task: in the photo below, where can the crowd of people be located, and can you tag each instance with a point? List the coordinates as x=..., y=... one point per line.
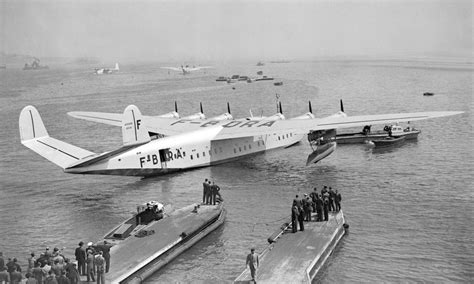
x=320, y=203
x=210, y=193
x=52, y=267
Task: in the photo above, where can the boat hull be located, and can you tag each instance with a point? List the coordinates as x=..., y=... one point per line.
x=359, y=138
x=389, y=141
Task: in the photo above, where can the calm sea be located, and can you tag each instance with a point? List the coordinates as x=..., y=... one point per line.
x=410, y=208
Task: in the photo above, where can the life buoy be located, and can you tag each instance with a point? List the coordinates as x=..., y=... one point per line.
x=386, y=128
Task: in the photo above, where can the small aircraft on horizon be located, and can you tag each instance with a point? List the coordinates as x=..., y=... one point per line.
x=186, y=69
x=100, y=71
x=155, y=145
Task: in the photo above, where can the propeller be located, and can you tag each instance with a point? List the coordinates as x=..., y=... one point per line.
x=281, y=110
x=310, y=107
x=175, y=106
x=228, y=108
x=200, y=104
x=342, y=106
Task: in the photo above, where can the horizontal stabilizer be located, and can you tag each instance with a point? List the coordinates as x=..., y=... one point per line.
x=100, y=117
x=34, y=136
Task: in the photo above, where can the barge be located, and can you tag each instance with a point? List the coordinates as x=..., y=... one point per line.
x=151, y=238
x=298, y=257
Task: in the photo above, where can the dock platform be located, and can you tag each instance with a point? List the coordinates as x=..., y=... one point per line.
x=297, y=257
x=136, y=258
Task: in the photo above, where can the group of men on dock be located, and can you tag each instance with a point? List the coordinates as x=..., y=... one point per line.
x=49, y=268
x=93, y=260
x=321, y=204
x=52, y=267
x=210, y=193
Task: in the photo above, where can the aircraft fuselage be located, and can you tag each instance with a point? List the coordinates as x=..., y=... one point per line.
x=186, y=151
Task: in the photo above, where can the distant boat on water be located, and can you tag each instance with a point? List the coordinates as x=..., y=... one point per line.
x=428, y=94
x=260, y=63
x=35, y=65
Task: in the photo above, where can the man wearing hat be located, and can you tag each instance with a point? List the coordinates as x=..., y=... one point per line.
x=252, y=263
x=80, y=254
x=100, y=266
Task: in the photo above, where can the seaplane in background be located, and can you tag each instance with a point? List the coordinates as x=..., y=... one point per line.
x=154, y=145
x=101, y=71
x=186, y=69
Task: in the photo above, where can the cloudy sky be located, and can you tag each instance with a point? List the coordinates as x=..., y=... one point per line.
x=212, y=30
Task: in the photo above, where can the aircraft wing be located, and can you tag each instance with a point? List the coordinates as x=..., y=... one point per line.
x=198, y=68
x=172, y=68
x=304, y=126
x=245, y=128
x=101, y=117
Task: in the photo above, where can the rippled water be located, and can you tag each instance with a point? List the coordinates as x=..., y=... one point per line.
x=409, y=208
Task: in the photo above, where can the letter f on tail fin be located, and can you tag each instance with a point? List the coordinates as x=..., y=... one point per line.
x=134, y=131
x=34, y=136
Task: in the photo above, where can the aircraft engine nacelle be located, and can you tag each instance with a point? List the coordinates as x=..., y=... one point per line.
x=224, y=116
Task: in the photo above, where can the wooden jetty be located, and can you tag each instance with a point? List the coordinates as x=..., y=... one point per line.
x=297, y=257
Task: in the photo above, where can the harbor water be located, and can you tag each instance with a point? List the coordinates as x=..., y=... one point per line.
x=409, y=207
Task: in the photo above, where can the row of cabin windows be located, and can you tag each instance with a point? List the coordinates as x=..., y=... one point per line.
x=283, y=136
x=204, y=153
x=250, y=147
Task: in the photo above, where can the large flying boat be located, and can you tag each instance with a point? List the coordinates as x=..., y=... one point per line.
x=154, y=145
x=186, y=69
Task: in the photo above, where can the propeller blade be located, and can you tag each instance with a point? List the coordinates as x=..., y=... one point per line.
x=281, y=110
x=342, y=106
x=200, y=104
x=228, y=108
x=175, y=106
x=310, y=107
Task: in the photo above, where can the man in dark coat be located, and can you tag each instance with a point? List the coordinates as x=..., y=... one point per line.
x=294, y=217
x=105, y=248
x=338, y=200
x=204, y=191
x=81, y=258
x=319, y=208
x=313, y=195
x=326, y=207
x=332, y=197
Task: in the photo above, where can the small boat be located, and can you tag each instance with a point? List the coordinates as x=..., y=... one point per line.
x=278, y=83
x=428, y=94
x=35, y=65
x=259, y=72
x=388, y=141
x=264, y=78
x=243, y=78
x=260, y=63
x=367, y=135
x=221, y=78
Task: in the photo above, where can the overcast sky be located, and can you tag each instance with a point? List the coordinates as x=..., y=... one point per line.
x=228, y=30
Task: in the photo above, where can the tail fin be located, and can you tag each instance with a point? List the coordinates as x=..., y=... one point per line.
x=133, y=130
x=31, y=124
x=34, y=136
x=117, y=67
